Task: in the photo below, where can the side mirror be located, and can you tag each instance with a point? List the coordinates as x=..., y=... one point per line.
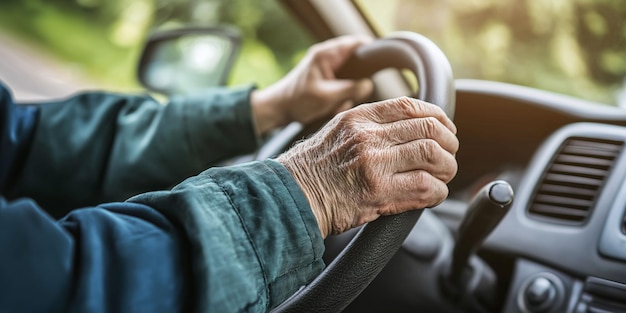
x=187, y=59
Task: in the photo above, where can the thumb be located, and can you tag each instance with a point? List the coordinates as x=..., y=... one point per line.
x=343, y=90
x=364, y=89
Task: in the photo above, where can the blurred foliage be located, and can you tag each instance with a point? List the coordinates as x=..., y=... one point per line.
x=104, y=37
x=74, y=36
x=577, y=47
x=273, y=41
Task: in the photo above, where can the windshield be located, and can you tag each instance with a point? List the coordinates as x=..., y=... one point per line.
x=575, y=47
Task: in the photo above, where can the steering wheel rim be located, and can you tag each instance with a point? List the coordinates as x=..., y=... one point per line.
x=374, y=245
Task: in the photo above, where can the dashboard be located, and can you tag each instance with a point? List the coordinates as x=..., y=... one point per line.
x=566, y=231
x=562, y=245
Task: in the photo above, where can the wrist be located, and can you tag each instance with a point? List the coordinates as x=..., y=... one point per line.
x=305, y=181
x=267, y=111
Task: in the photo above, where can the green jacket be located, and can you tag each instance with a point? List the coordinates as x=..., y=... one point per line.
x=250, y=238
x=98, y=147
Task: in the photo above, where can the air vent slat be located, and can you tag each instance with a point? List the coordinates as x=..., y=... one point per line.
x=589, y=151
x=583, y=161
x=609, y=145
x=564, y=201
x=560, y=189
x=578, y=170
x=560, y=212
x=572, y=181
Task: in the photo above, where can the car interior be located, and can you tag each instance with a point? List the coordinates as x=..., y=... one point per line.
x=535, y=220
x=536, y=216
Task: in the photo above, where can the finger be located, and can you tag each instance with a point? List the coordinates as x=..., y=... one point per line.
x=426, y=155
x=414, y=190
x=337, y=50
x=404, y=131
x=347, y=105
x=363, y=90
x=346, y=90
x=403, y=108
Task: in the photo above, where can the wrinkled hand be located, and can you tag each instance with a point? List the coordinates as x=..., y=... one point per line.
x=311, y=91
x=376, y=159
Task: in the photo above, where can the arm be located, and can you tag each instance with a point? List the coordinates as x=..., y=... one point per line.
x=114, y=258
x=17, y=126
x=237, y=253
x=110, y=146
x=256, y=226
x=254, y=237
x=96, y=260
x=248, y=240
x=254, y=245
x=362, y=164
x=254, y=231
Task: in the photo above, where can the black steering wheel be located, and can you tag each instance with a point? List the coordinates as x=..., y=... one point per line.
x=372, y=248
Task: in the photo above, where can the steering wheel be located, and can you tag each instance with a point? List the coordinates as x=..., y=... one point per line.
x=372, y=248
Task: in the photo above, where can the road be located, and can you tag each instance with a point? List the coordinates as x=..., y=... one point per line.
x=33, y=75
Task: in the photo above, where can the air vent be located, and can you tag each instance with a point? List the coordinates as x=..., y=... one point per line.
x=624, y=224
x=600, y=295
x=573, y=179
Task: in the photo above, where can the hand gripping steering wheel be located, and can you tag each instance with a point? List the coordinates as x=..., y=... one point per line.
x=372, y=248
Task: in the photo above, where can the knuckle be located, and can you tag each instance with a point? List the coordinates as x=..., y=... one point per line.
x=454, y=168
x=422, y=182
x=405, y=100
x=428, y=150
x=347, y=120
x=355, y=114
x=438, y=111
x=447, y=175
x=431, y=193
x=423, y=194
x=440, y=195
x=430, y=127
x=406, y=104
x=454, y=145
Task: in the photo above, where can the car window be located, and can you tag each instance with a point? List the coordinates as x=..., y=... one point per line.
x=99, y=41
x=575, y=47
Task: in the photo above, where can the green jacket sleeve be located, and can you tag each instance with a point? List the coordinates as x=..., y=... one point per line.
x=98, y=147
x=254, y=238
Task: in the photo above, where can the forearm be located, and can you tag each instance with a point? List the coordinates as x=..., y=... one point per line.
x=17, y=127
x=255, y=238
x=118, y=257
x=109, y=147
x=247, y=241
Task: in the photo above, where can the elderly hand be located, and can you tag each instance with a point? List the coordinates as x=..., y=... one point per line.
x=376, y=159
x=310, y=91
